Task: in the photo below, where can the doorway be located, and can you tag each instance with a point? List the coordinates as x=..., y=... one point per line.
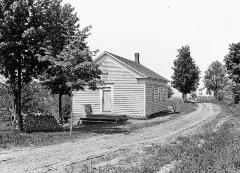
x=106, y=99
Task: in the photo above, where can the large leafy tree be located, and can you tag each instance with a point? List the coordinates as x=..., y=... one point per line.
x=215, y=78
x=64, y=27
x=29, y=35
x=186, y=73
x=80, y=69
x=232, y=62
x=73, y=69
x=77, y=69
x=21, y=46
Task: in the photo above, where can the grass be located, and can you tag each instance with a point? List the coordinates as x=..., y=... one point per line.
x=207, y=152
x=10, y=138
x=162, y=117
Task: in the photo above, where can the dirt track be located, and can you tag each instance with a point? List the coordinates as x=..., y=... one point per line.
x=56, y=158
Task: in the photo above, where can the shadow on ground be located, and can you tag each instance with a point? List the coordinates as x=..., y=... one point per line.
x=103, y=128
x=161, y=114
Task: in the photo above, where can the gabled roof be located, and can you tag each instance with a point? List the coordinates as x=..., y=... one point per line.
x=138, y=67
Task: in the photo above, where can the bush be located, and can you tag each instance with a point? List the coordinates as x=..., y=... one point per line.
x=40, y=123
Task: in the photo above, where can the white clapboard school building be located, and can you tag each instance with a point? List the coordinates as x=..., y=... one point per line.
x=129, y=89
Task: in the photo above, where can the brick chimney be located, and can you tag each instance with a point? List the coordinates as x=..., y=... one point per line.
x=136, y=55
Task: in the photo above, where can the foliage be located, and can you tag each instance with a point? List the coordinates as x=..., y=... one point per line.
x=56, y=77
x=65, y=27
x=6, y=98
x=232, y=61
x=215, y=78
x=80, y=69
x=186, y=73
x=73, y=68
x=232, y=89
x=40, y=123
x=30, y=97
x=170, y=91
x=27, y=35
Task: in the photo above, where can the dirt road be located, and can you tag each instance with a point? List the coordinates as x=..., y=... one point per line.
x=56, y=158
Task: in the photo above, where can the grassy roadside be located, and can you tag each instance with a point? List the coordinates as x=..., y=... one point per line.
x=9, y=138
x=215, y=149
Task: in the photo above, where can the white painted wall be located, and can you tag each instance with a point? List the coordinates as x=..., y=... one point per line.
x=86, y=97
x=131, y=96
x=154, y=103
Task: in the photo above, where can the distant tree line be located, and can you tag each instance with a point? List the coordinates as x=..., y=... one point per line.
x=223, y=80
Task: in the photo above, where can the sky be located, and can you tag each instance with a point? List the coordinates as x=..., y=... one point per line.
x=158, y=28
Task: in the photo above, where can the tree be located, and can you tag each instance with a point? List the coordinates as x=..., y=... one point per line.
x=232, y=62
x=186, y=73
x=170, y=91
x=28, y=97
x=7, y=106
x=65, y=28
x=215, y=78
x=235, y=90
x=73, y=64
x=193, y=95
x=232, y=90
x=81, y=71
x=27, y=36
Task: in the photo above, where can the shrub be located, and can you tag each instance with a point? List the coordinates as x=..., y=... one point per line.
x=40, y=123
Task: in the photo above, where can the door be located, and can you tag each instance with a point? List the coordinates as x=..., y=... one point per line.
x=106, y=99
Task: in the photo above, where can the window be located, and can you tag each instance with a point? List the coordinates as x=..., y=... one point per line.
x=164, y=93
x=152, y=92
x=161, y=93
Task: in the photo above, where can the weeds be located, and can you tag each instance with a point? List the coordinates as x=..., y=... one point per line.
x=208, y=152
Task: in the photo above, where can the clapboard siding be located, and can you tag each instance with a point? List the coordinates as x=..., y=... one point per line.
x=86, y=97
x=129, y=99
x=154, y=105
x=132, y=93
x=113, y=72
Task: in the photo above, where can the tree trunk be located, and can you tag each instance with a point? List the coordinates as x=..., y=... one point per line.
x=215, y=94
x=184, y=97
x=19, y=100
x=236, y=99
x=60, y=108
x=12, y=109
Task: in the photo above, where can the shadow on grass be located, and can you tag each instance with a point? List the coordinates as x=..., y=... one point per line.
x=162, y=114
x=103, y=128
